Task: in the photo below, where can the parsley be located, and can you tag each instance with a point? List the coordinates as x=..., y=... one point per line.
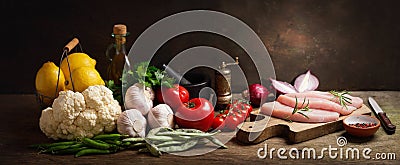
x=151, y=76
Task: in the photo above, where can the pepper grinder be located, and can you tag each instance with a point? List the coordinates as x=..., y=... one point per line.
x=223, y=85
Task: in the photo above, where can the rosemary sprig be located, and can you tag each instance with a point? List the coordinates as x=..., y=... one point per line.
x=300, y=110
x=341, y=96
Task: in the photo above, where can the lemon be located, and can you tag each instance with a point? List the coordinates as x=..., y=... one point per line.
x=83, y=77
x=46, y=82
x=76, y=60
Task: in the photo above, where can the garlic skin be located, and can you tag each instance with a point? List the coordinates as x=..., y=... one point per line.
x=161, y=116
x=139, y=97
x=131, y=122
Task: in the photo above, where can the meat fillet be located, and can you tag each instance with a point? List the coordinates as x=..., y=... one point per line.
x=315, y=103
x=281, y=111
x=355, y=101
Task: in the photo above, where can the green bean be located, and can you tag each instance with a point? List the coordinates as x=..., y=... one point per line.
x=189, y=130
x=217, y=142
x=54, y=148
x=134, y=140
x=169, y=143
x=154, y=131
x=203, y=134
x=109, y=136
x=95, y=144
x=178, y=148
x=101, y=141
x=48, y=145
x=126, y=143
x=137, y=145
x=115, y=142
x=69, y=151
x=153, y=150
x=91, y=151
x=168, y=138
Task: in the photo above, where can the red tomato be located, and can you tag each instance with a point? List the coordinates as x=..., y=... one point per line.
x=245, y=108
x=231, y=122
x=219, y=121
x=241, y=106
x=198, y=113
x=174, y=97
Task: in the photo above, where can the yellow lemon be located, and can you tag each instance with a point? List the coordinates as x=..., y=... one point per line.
x=46, y=82
x=83, y=77
x=76, y=60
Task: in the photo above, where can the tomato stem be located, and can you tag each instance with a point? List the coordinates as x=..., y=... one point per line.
x=191, y=105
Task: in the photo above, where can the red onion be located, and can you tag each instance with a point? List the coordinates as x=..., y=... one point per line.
x=258, y=94
x=306, y=82
x=283, y=87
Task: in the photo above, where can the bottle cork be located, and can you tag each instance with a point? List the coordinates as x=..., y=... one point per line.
x=119, y=29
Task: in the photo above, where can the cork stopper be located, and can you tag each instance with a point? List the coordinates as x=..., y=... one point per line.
x=119, y=29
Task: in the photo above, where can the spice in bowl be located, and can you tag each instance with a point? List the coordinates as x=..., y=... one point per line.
x=361, y=125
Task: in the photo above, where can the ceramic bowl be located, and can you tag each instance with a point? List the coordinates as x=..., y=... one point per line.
x=354, y=125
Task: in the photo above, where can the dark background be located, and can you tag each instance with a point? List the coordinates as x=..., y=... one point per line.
x=348, y=44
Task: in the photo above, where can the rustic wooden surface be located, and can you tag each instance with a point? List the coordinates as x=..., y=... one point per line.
x=295, y=132
x=19, y=128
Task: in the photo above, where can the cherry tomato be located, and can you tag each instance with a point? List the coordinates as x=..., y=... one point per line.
x=232, y=122
x=245, y=108
x=198, y=113
x=219, y=121
x=174, y=97
x=241, y=106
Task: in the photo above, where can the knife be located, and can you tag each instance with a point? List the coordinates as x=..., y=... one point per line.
x=387, y=124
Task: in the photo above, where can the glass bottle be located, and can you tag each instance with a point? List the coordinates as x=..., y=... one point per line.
x=117, y=55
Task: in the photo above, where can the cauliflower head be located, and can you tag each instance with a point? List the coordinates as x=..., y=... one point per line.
x=86, y=114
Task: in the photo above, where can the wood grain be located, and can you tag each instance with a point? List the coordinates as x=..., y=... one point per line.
x=19, y=128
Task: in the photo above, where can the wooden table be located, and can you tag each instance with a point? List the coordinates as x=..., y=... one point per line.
x=19, y=128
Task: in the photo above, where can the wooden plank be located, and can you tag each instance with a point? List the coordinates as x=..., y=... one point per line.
x=263, y=127
x=19, y=128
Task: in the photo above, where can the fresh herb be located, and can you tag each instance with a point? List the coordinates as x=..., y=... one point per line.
x=116, y=89
x=151, y=76
x=300, y=110
x=341, y=96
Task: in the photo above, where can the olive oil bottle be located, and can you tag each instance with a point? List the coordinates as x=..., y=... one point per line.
x=117, y=55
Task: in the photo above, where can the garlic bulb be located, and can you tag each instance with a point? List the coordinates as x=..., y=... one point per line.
x=131, y=122
x=139, y=97
x=161, y=116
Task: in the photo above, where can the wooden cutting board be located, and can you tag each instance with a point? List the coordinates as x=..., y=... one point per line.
x=262, y=127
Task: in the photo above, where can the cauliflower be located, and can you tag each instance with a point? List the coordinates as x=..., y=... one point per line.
x=86, y=114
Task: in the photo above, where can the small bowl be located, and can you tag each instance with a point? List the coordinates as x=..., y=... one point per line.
x=349, y=125
x=199, y=81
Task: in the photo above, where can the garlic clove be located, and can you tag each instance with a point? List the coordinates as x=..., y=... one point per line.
x=132, y=123
x=161, y=116
x=171, y=120
x=137, y=126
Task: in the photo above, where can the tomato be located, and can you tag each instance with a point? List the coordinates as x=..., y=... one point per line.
x=198, y=113
x=242, y=107
x=231, y=122
x=219, y=121
x=245, y=108
x=174, y=97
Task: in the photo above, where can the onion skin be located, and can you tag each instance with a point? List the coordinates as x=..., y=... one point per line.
x=283, y=87
x=258, y=94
